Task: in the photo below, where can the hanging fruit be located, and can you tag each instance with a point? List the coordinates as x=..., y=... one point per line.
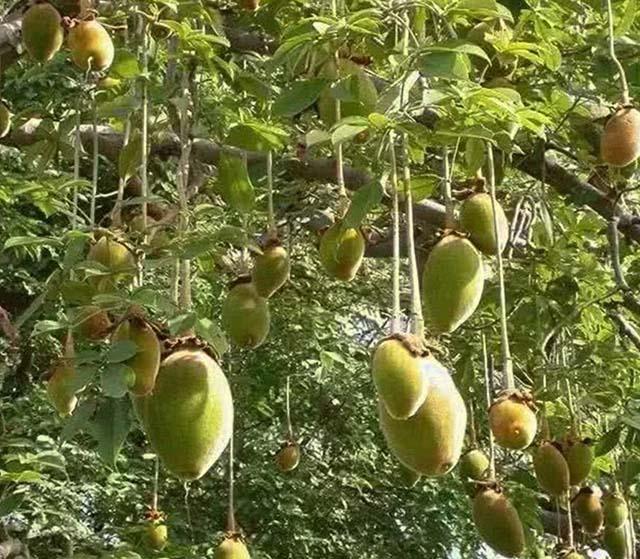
x=232, y=548
x=452, y=283
x=91, y=46
x=476, y=218
x=474, y=465
x=580, y=456
x=5, y=120
x=620, y=141
x=615, y=510
x=588, y=509
x=270, y=269
x=92, y=322
x=157, y=536
x=245, y=315
x=42, y=32
x=616, y=542
x=63, y=382
x=552, y=471
x=288, y=457
x=512, y=420
x=342, y=251
x=429, y=442
x=116, y=258
x=189, y=415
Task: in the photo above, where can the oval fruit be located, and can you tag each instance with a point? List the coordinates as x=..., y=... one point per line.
x=551, y=469
x=615, y=510
x=342, y=251
x=588, y=510
x=157, y=536
x=189, y=415
x=63, y=383
x=513, y=423
x=116, y=258
x=146, y=362
x=5, y=120
x=429, y=442
x=92, y=322
x=615, y=542
x=91, y=46
x=42, y=31
x=476, y=218
x=474, y=465
x=270, y=270
x=580, y=456
x=399, y=378
x=498, y=523
x=452, y=283
x=620, y=141
x=245, y=316
x=232, y=548
x=288, y=457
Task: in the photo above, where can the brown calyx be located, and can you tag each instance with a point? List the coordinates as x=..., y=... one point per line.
x=520, y=396
x=412, y=343
x=239, y=281
x=172, y=345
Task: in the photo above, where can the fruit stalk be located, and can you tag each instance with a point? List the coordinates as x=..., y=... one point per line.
x=569, y=518
x=488, y=384
x=144, y=100
x=94, y=176
x=231, y=513
x=338, y=115
x=624, y=86
x=288, y=405
x=156, y=477
x=572, y=411
x=270, y=217
x=76, y=161
x=449, y=219
x=395, y=212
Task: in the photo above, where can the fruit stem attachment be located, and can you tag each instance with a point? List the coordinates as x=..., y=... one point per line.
x=507, y=364
x=572, y=411
x=624, y=86
x=395, y=213
x=231, y=513
x=546, y=432
x=567, y=497
x=94, y=175
x=270, y=214
x=473, y=437
x=288, y=408
x=488, y=385
x=144, y=98
x=449, y=219
x=156, y=477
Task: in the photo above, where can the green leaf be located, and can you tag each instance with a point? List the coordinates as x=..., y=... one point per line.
x=234, y=184
x=110, y=427
x=608, y=441
x=423, y=186
x=364, y=200
x=121, y=351
x=116, y=380
x=211, y=333
x=181, y=323
x=315, y=137
x=456, y=46
x=257, y=137
x=130, y=158
x=345, y=132
x=78, y=421
x=449, y=65
x=14, y=242
x=47, y=326
x=474, y=154
x=10, y=503
x=298, y=97
x=125, y=65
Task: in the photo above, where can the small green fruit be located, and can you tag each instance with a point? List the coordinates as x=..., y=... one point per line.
x=157, y=536
x=498, y=523
x=92, y=322
x=270, y=270
x=452, y=283
x=5, y=120
x=63, y=383
x=588, y=509
x=551, y=469
x=288, y=457
x=615, y=510
x=342, y=251
x=42, y=31
x=580, y=456
x=91, y=46
x=116, y=258
x=474, y=465
x=232, y=548
x=476, y=218
x=513, y=423
x=615, y=542
x=245, y=316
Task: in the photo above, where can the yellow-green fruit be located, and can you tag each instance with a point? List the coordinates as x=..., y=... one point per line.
x=409, y=477
x=189, y=415
x=620, y=140
x=245, y=316
x=513, y=424
x=270, y=270
x=5, y=120
x=588, y=509
x=615, y=542
x=452, y=283
x=288, y=457
x=615, y=510
x=42, y=32
x=114, y=256
x=476, y=218
x=146, y=362
x=580, y=456
x=91, y=46
x=157, y=536
x=399, y=378
x=429, y=442
x=474, y=465
x=93, y=323
x=551, y=469
x=61, y=387
x=498, y=523
x=574, y=555
x=232, y=548
x=342, y=251
x=367, y=95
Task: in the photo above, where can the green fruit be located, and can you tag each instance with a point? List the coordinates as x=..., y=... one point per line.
x=498, y=523
x=574, y=555
x=42, y=31
x=146, y=362
x=5, y=120
x=474, y=465
x=588, y=509
x=615, y=542
x=118, y=261
x=551, y=469
x=615, y=510
x=91, y=46
x=580, y=456
x=513, y=423
x=429, y=442
x=360, y=84
x=476, y=218
x=288, y=457
x=93, y=323
x=342, y=251
x=157, y=536
x=409, y=477
x=245, y=316
x=270, y=270
x=452, y=283
x=399, y=378
x=232, y=548
x=189, y=415
x=63, y=383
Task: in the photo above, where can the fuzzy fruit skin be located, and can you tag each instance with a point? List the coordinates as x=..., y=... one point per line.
x=91, y=46
x=93, y=323
x=114, y=256
x=270, y=271
x=399, y=378
x=513, y=424
x=589, y=512
x=474, y=465
x=498, y=523
x=146, y=362
x=189, y=415
x=580, y=458
x=620, y=141
x=452, y=283
x=476, y=218
x=615, y=510
x=342, y=251
x=5, y=120
x=42, y=32
x=232, y=548
x=615, y=542
x=551, y=469
x=245, y=316
x=60, y=389
x=157, y=536
x=288, y=458
x=430, y=442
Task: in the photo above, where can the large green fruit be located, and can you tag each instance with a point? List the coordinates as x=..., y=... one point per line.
x=551, y=469
x=63, y=383
x=91, y=46
x=157, y=536
x=513, y=423
x=42, y=31
x=245, y=316
x=399, y=377
x=232, y=548
x=452, y=283
x=620, y=140
x=92, y=322
x=588, y=509
x=5, y=120
x=146, y=362
x=189, y=415
x=288, y=457
x=498, y=523
x=580, y=456
x=270, y=270
x=116, y=258
x=615, y=542
x=429, y=442
x=615, y=510
x=474, y=465
x=476, y=218
x=342, y=251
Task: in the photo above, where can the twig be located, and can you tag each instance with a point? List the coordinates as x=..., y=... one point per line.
x=624, y=86
x=395, y=212
x=488, y=383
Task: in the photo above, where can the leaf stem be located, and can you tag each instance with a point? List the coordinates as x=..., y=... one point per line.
x=449, y=220
x=488, y=384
